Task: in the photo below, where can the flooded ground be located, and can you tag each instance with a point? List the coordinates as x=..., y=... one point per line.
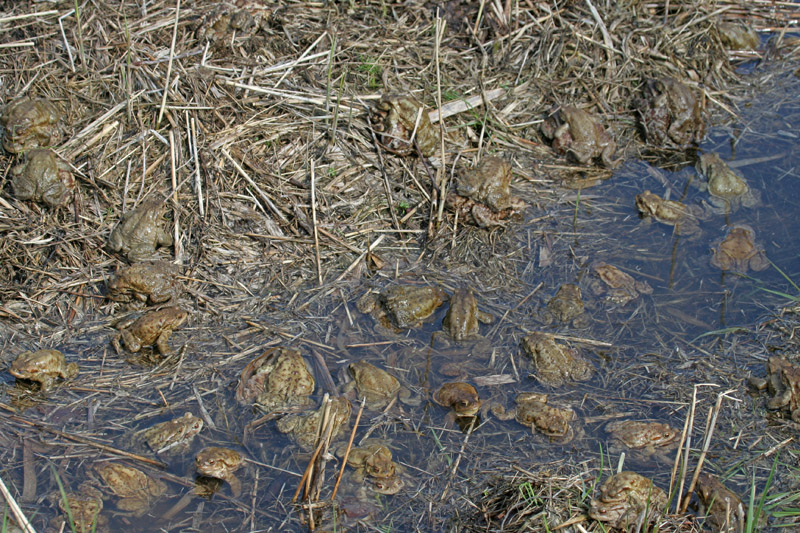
x=689, y=327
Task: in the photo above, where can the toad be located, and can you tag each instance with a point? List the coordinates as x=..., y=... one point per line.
x=43, y=177
x=566, y=305
x=243, y=17
x=31, y=124
x=461, y=397
x=220, y=463
x=147, y=283
x=726, y=187
x=618, y=286
x=304, y=428
x=723, y=509
x=652, y=438
x=403, y=306
x=463, y=316
x=579, y=134
x=738, y=36
x=671, y=114
x=175, y=434
x=626, y=497
x=533, y=411
x=670, y=212
x=137, y=491
x=139, y=232
x=43, y=366
x=374, y=385
x=152, y=328
x=277, y=379
x=82, y=508
x=783, y=384
x=556, y=363
x=373, y=463
x=483, y=195
x=401, y=120
x=739, y=251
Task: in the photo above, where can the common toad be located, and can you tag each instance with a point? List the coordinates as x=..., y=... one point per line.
x=31, y=124
x=739, y=251
x=459, y=396
x=724, y=510
x=625, y=497
x=374, y=464
x=43, y=177
x=83, y=508
x=671, y=114
x=139, y=232
x=396, y=118
x=556, y=363
x=738, y=36
x=175, y=434
x=566, y=305
x=374, y=385
x=783, y=382
x=277, y=379
x=137, y=491
x=533, y=411
x=670, y=212
x=618, y=286
x=463, y=316
x=403, y=306
x=305, y=428
x=154, y=327
x=241, y=17
x=220, y=463
x=581, y=135
x=147, y=283
x=44, y=366
x=649, y=438
x=483, y=194
x=727, y=188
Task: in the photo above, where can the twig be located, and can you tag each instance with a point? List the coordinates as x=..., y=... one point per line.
x=174, y=178
x=371, y=247
x=314, y=222
x=347, y=451
x=169, y=63
x=15, y=509
x=198, y=182
x=253, y=184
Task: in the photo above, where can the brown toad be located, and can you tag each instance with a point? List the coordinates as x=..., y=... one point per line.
x=277, y=379
x=625, y=497
x=220, y=463
x=241, y=17
x=738, y=36
x=137, y=491
x=43, y=177
x=152, y=328
x=374, y=385
x=175, y=434
x=461, y=397
x=463, y=316
x=82, y=508
x=566, y=305
x=533, y=411
x=483, y=194
x=31, y=124
x=373, y=463
x=43, y=366
x=723, y=509
x=556, y=363
x=650, y=438
x=305, y=428
x=618, y=286
x=671, y=113
x=396, y=118
x=139, y=232
x=579, y=134
x=670, y=212
x=147, y=283
x=727, y=188
x=738, y=251
x=404, y=306
x=783, y=384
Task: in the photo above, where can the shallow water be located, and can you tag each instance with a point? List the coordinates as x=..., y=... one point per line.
x=638, y=349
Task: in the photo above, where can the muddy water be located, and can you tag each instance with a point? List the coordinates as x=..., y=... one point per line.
x=680, y=332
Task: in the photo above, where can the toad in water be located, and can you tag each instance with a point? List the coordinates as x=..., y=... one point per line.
x=625, y=497
x=618, y=286
x=459, y=396
x=175, y=434
x=726, y=187
x=670, y=212
x=738, y=251
x=137, y=491
x=220, y=463
x=277, y=379
x=402, y=306
x=581, y=135
x=43, y=366
x=556, y=363
x=463, y=316
x=152, y=328
x=533, y=411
